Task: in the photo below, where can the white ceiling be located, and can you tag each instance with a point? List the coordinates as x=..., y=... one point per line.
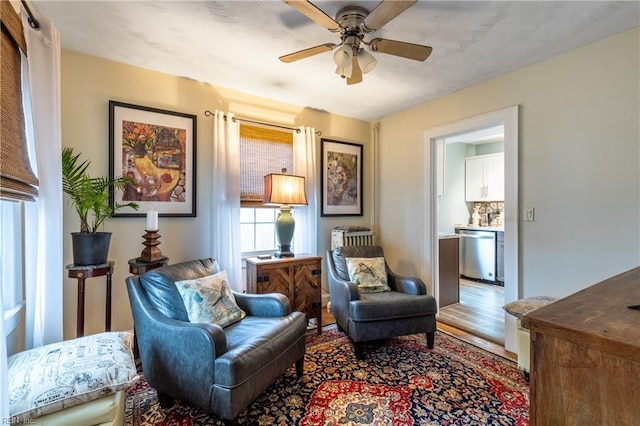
x=236, y=44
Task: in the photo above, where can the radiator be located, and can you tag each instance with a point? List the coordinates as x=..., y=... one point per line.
x=344, y=237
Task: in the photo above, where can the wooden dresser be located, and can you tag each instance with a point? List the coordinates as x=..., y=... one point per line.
x=298, y=278
x=585, y=356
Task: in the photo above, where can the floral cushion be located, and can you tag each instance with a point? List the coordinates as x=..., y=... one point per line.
x=64, y=374
x=521, y=307
x=368, y=273
x=210, y=299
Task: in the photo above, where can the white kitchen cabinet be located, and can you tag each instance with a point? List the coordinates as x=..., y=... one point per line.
x=484, y=178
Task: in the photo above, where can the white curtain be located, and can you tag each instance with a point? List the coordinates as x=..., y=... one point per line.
x=43, y=218
x=4, y=375
x=305, y=238
x=225, y=226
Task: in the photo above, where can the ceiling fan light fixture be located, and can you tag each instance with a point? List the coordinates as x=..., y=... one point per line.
x=345, y=72
x=343, y=55
x=367, y=61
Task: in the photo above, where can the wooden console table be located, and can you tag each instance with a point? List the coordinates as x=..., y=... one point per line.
x=298, y=278
x=585, y=356
x=81, y=273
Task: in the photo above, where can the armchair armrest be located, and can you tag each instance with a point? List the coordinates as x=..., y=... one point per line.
x=405, y=284
x=264, y=305
x=346, y=289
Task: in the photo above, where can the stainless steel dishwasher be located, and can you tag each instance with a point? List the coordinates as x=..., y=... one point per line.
x=478, y=254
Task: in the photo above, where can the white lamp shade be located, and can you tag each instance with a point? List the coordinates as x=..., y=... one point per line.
x=284, y=189
x=367, y=61
x=343, y=55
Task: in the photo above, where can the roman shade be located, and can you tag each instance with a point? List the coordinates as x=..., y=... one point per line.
x=17, y=180
x=262, y=151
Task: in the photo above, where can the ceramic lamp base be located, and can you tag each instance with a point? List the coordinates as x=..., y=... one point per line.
x=285, y=226
x=284, y=251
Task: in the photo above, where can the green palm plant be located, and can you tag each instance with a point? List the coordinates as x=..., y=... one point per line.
x=89, y=196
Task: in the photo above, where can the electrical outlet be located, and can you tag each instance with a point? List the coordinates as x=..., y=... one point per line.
x=528, y=214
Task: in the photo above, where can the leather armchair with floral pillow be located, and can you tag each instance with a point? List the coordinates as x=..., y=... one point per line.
x=210, y=347
x=370, y=302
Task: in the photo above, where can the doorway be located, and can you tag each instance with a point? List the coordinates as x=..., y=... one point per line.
x=432, y=139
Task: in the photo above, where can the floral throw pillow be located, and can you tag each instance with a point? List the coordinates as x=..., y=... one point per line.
x=210, y=299
x=368, y=273
x=64, y=374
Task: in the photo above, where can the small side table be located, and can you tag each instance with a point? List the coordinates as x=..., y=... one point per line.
x=81, y=273
x=139, y=267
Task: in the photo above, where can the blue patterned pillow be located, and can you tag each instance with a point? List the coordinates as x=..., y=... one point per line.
x=210, y=299
x=369, y=273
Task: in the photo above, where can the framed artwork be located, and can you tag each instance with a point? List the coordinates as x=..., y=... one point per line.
x=341, y=188
x=157, y=149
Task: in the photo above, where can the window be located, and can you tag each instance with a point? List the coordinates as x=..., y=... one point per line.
x=257, y=229
x=11, y=249
x=262, y=151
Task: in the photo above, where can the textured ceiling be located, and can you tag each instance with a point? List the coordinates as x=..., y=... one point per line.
x=236, y=44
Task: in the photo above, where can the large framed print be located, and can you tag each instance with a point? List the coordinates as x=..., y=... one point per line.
x=157, y=150
x=341, y=188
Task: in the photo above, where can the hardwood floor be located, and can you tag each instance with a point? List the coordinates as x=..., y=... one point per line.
x=479, y=311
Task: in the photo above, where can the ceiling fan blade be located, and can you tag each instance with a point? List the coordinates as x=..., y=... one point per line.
x=356, y=74
x=416, y=52
x=385, y=12
x=301, y=54
x=312, y=12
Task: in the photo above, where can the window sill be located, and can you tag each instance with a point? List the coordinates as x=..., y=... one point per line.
x=12, y=318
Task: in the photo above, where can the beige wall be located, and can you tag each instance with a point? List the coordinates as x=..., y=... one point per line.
x=579, y=166
x=88, y=84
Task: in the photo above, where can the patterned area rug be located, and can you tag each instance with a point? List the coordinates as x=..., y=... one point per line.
x=400, y=382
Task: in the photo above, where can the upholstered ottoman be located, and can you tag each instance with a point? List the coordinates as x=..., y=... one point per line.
x=518, y=309
x=75, y=382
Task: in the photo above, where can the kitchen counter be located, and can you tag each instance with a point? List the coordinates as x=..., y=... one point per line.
x=449, y=269
x=445, y=235
x=482, y=228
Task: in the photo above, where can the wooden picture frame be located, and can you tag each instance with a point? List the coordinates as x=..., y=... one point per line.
x=157, y=149
x=341, y=186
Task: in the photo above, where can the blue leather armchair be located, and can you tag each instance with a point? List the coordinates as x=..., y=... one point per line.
x=406, y=309
x=220, y=370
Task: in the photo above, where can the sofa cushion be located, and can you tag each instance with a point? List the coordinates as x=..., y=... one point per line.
x=390, y=305
x=210, y=299
x=51, y=378
x=160, y=285
x=521, y=307
x=368, y=273
x=248, y=351
x=341, y=254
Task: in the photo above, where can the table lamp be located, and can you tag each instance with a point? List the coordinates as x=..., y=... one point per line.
x=285, y=190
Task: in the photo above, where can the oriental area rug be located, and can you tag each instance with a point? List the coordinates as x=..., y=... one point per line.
x=400, y=382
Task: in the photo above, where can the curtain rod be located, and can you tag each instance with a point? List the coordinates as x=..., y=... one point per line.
x=32, y=19
x=209, y=114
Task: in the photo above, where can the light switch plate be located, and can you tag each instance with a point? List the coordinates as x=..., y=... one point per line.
x=528, y=214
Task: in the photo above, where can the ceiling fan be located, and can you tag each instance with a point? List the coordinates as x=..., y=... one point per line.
x=353, y=23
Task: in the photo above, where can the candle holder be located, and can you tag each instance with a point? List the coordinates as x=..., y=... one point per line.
x=151, y=252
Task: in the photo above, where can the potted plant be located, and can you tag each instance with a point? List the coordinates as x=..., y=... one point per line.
x=90, y=197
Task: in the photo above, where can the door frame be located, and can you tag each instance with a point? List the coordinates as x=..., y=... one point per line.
x=508, y=117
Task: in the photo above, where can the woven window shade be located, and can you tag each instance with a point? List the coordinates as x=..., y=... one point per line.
x=17, y=180
x=262, y=151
